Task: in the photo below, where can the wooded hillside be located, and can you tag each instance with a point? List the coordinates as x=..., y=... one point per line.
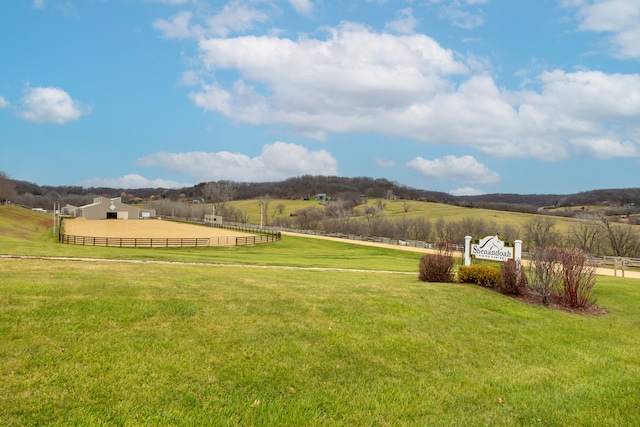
x=34, y=195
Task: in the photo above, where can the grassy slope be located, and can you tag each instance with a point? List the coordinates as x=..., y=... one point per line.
x=291, y=251
x=19, y=224
x=141, y=344
x=395, y=209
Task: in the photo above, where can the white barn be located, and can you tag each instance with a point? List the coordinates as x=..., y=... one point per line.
x=106, y=208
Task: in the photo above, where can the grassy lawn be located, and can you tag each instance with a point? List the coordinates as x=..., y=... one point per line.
x=125, y=344
x=291, y=251
x=96, y=343
x=23, y=232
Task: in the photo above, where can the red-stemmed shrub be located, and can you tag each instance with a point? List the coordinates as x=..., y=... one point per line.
x=436, y=267
x=578, y=278
x=513, y=279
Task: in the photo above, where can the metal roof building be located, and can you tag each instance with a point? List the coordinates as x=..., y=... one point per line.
x=105, y=208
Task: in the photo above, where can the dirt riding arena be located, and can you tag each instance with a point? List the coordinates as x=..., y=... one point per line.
x=156, y=232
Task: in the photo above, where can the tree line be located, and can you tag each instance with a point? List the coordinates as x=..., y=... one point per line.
x=595, y=234
x=627, y=199
x=598, y=234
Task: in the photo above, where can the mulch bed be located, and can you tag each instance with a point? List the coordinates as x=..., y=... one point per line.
x=554, y=304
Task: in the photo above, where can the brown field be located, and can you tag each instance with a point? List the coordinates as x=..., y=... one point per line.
x=146, y=229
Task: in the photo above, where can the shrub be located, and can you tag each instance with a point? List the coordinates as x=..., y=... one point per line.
x=544, y=272
x=436, y=267
x=510, y=283
x=577, y=275
x=482, y=275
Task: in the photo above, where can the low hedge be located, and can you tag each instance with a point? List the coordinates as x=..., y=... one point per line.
x=482, y=275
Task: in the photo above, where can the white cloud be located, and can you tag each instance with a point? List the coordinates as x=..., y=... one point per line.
x=619, y=18
x=466, y=191
x=404, y=23
x=465, y=169
x=51, y=105
x=170, y=2
x=384, y=163
x=4, y=103
x=235, y=17
x=345, y=83
x=179, y=27
x=190, y=78
x=460, y=16
x=132, y=181
x=303, y=7
x=407, y=86
x=277, y=161
x=38, y=4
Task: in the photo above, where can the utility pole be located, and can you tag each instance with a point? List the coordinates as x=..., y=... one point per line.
x=56, y=207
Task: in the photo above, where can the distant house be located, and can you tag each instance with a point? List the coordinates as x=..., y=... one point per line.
x=106, y=208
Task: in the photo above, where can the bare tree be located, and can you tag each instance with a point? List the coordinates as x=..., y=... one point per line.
x=197, y=211
x=623, y=238
x=478, y=227
x=237, y=215
x=309, y=218
x=26, y=199
x=348, y=198
x=338, y=209
x=509, y=233
x=7, y=189
x=421, y=230
x=373, y=214
x=544, y=278
x=219, y=193
x=586, y=234
x=403, y=228
x=540, y=232
x=264, y=208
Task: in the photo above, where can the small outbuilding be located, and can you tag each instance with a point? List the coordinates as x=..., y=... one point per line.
x=106, y=208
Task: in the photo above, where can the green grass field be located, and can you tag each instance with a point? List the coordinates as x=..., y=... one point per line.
x=396, y=209
x=147, y=343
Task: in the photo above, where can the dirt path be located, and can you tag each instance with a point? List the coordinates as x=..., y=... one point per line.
x=200, y=264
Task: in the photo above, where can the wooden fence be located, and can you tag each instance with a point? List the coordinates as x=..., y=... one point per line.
x=134, y=242
x=257, y=240
x=140, y=242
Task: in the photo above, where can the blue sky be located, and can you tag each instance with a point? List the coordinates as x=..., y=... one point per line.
x=460, y=96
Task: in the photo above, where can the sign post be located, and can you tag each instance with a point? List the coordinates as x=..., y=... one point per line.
x=491, y=248
x=467, y=250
